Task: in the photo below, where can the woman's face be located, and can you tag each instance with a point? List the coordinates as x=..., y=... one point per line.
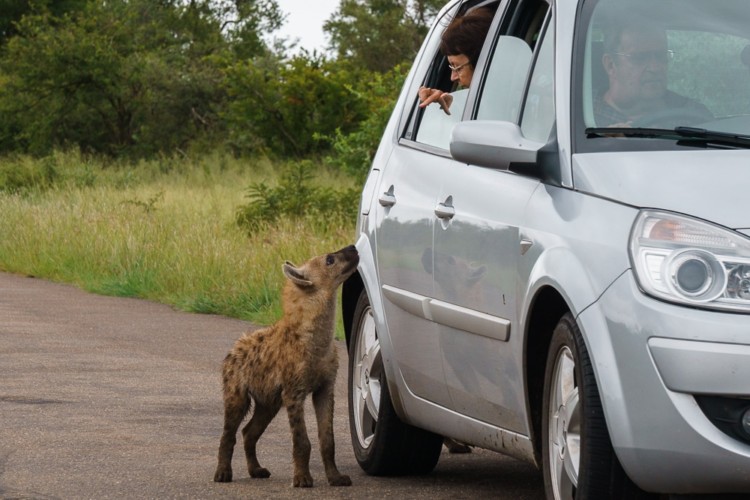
x=461, y=69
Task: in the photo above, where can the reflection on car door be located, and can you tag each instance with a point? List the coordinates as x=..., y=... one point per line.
x=405, y=218
x=475, y=260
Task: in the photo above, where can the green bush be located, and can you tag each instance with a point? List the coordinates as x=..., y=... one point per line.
x=19, y=176
x=352, y=152
x=289, y=108
x=129, y=78
x=296, y=197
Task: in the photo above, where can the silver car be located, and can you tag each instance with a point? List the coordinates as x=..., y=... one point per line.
x=559, y=269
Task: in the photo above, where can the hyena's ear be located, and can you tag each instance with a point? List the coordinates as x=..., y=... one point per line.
x=296, y=275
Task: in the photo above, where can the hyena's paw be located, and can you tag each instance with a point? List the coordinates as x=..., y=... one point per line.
x=340, y=480
x=260, y=473
x=223, y=475
x=303, y=480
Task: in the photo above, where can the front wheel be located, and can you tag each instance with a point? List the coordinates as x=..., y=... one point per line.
x=578, y=459
x=383, y=444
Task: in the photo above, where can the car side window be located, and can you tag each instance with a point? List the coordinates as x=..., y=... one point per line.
x=509, y=66
x=436, y=126
x=539, y=108
x=432, y=125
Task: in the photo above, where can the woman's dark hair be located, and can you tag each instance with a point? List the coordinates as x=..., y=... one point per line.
x=465, y=35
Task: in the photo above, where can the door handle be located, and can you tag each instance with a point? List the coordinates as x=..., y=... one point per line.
x=387, y=199
x=445, y=210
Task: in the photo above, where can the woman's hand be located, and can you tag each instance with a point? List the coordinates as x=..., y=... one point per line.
x=427, y=96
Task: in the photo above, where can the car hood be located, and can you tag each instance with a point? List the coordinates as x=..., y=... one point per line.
x=709, y=184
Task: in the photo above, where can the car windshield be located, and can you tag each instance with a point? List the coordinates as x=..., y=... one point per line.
x=655, y=74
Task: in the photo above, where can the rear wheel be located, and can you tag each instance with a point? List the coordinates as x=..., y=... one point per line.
x=578, y=459
x=383, y=444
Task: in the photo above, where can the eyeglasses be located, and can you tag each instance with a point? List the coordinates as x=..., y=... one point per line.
x=457, y=69
x=646, y=56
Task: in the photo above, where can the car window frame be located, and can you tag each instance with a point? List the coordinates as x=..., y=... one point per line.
x=512, y=21
x=431, y=63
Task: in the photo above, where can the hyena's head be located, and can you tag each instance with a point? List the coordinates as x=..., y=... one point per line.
x=324, y=272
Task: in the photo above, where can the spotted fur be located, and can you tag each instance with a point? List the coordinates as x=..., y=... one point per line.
x=281, y=364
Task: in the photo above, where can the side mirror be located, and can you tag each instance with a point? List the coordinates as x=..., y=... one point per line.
x=492, y=144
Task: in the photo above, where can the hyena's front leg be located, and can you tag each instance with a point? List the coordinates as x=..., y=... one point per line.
x=236, y=406
x=300, y=442
x=262, y=416
x=323, y=403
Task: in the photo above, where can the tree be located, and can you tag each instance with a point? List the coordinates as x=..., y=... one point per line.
x=120, y=75
x=379, y=34
x=246, y=21
x=12, y=11
x=123, y=76
x=291, y=107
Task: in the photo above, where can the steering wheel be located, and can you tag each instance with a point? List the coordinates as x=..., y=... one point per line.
x=670, y=118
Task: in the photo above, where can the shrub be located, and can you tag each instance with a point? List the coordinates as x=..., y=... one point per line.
x=296, y=197
x=19, y=175
x=353, y=151
x=287, y=107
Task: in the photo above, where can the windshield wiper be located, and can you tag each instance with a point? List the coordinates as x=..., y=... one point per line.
x=685, y=135
x=714, y=136
x=631, y=132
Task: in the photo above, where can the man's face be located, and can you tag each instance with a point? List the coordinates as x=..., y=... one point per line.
x=638, y=69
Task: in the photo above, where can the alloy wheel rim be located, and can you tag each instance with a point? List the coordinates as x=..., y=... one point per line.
x=366, y=384
x=564, y=427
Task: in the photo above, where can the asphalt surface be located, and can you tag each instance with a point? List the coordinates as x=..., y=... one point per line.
x=104, y=397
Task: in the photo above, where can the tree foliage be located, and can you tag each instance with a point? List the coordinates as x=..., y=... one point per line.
x=379, y=34
x=12, y=11
x=120, y=75
x=139, y=78
x=287, y=107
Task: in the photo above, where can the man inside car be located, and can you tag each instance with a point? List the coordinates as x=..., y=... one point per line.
x=636, y=59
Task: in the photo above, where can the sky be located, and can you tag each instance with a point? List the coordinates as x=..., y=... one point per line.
x=305, y=20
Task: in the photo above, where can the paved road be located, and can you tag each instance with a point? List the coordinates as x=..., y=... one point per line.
x=105, y=397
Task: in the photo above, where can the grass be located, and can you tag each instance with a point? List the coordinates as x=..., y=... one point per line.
x=163, y=231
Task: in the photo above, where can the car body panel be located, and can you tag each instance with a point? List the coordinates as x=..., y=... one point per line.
x=404, y=227
x=453, y=288
x=659, y=451
x=690, y=177
x=475, y=254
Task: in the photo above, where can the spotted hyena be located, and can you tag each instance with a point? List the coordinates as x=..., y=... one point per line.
x=281, y=364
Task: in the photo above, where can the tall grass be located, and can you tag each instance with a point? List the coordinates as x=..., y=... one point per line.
x=164, y=231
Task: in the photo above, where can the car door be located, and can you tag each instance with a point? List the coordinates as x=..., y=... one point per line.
x=477, y=245
x=405, y=217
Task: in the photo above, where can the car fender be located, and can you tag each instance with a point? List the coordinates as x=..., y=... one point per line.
x=577, y=282
x=561, y=270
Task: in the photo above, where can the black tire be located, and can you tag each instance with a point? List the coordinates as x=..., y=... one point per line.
x=598, y=474
x=383, y=444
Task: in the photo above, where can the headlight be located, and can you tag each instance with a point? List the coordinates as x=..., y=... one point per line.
x=688, y=261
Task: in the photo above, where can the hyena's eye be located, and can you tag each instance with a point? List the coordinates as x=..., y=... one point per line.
x=330, y=260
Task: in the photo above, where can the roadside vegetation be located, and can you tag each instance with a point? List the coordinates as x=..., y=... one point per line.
x=167, y=230
x=178, y=151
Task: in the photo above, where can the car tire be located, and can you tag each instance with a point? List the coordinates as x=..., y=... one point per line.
x=383, y=444
x=577, y=455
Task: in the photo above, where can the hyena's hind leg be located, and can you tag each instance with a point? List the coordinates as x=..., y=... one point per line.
x=323, y=404
x=236, y=406
x=262, y=416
